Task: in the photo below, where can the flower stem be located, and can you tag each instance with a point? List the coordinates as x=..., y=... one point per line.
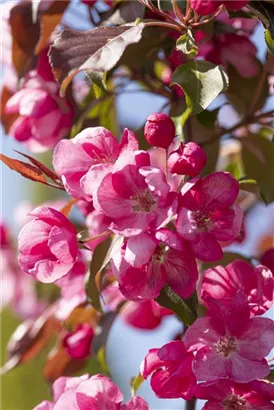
x=191, y=404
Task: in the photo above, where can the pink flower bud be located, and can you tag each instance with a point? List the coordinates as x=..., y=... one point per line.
x=78, y=343
x=188, y=159
x=159, y=130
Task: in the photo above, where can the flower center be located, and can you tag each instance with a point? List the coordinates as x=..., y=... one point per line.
x=226, y=345
x=202, y=220
x=234, y=402
x=144, y=202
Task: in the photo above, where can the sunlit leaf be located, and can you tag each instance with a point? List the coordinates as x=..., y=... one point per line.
x=26, y=170
x=135, y=383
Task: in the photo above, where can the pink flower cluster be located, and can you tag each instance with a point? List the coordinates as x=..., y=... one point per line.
x=164, y=228
x=222, y=355
x=43, y=116
x=89, y=393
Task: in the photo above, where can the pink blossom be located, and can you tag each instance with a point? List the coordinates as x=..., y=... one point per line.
x=44, y=117
x=205, y=7
x=208, y=216
x=188, y=159
x=239, y=276
x=225, y=48
x=89, y=393
x=146, y=263
x=170, y=368
x=267, y=259
x=159, y=130
x=228, y=344
x=47, y=245
x=78, y=343
x=135, y=195
x=82, y=161
x=226, y=394
x=17, y=288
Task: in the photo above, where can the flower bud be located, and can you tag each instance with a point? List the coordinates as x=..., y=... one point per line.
x=78, y=343
x=189, y=159
x=159, y=130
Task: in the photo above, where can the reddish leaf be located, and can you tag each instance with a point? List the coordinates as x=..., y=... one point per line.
x=25, y=34
x=59, y=363
x=96, y=50
x=83, y=313
x=29, y=339
x=41, y=166
x=49, y=19
x=28, y=171
x=6, y=119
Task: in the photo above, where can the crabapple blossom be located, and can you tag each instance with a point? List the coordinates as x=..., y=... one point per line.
x=47, y=245
x=87, y=157
x=225, y=48
x=135, y=196
x=95, y=393
x=205, y=7
x=159, y=130
x=78, y=343
x=170, y=368
x=208, y=214
x=97, y=223
x=239, y=276
x=146, y=263
x=228, y=395
x=44, y=117
x=230, y=344
x=189, y=159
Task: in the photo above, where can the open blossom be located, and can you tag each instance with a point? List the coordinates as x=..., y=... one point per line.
x=228, y=395
x=205, y=7
x=188, y=159
x=94, y=393
x=44, y=117
x=78, y=343
x=228, y=344
x=208, y=214
x=82, y=161
x=239, y=276
x=146, y=263
x=170, y=368
x=47, y=245
x=225, y=48
x=136, y=196
x=97, y=223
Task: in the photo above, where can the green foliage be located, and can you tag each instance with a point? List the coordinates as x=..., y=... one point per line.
x=202, y=82
x=265, y=12
x=186, y=44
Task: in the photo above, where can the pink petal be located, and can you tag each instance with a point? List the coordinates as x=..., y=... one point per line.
x=49, y=271
x=208, y=365
x=136, y=403
x=67, y=401
x=45, y=405
x=201, y=334
x=140, y=249
x=156, y=180
x=63, y=384
x=244, y=370
x=206, y=248
x=150, y=363
x=63, y=245
x=129, y=141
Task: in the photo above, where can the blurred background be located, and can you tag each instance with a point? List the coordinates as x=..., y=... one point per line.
x=24, y=386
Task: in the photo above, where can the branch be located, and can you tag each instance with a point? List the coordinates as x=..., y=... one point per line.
x=240, y=124
x=191, y=404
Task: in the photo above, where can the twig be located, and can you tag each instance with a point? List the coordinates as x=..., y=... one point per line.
x=178, y=12
x=191, y=404
x=240, y=124
x=176, y=27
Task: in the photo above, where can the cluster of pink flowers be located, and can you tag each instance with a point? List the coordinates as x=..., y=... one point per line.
x=167, y=216
x=94, y=393
x=43, y=116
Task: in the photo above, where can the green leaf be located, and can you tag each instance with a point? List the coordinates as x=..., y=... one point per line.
x=184, y=308
x=269, y=39
x=270, y=377
x=264, y=10
x=249, y=185
x=201, y=81
x=98, y=84
x=186, y=44
x=100, y=258
x=241, y=90
x=258, y=159
x=135, y=383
